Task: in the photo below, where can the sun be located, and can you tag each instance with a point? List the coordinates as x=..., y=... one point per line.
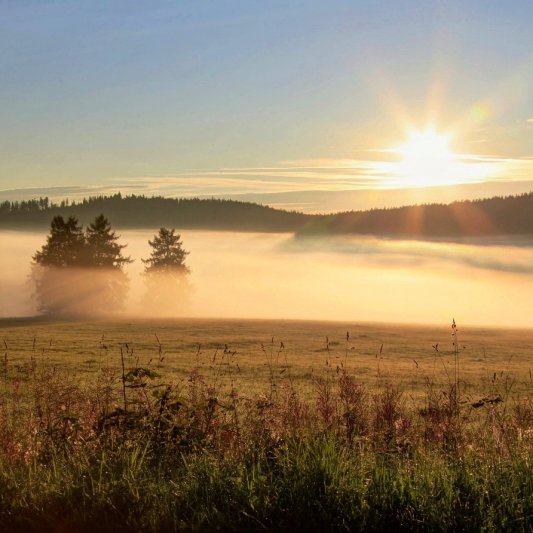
x=426, y=145
x=427, y=160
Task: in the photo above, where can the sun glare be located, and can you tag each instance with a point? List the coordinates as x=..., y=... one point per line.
x=427, y=160
x=426, y=145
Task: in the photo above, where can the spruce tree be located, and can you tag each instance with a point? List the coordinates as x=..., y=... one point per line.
x=65, y=245
x=77, y=273
x=102, y=248
x=166, y=275
x=168, y=255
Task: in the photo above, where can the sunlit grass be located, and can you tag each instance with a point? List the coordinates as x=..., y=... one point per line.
x=228, y=425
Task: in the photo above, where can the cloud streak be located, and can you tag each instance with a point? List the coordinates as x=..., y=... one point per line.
x=371, y=176
x=323, y=175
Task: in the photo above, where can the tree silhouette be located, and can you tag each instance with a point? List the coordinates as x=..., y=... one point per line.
x=142, y=212
x=65, y=246
x=102, y=248
x=104, y=257
x=166, y=274
x=511, y=215
x=77, y=273
x=168, y=255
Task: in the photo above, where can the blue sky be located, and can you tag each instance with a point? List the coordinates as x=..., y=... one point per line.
x=213, y=97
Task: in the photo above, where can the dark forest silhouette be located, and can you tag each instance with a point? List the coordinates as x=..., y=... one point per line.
x=143, y=212
x=80, y=272
x=511, y=215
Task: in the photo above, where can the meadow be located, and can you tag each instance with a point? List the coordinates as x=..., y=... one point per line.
x=244, y=352
x=195, y=425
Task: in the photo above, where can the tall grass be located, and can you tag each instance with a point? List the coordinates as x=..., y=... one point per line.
x=132, y=451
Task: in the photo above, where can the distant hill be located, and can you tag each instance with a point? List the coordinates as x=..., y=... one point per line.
x=512, y=215
x=142, y=212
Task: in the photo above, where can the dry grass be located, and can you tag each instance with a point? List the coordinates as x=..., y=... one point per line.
x=220, y=425
x=258, y=352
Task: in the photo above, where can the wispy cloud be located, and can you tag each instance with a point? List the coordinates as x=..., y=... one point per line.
x=320, y=175
x=288, y=176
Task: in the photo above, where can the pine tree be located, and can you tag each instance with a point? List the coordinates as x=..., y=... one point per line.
x=168, y=255
x=102, y=247
x=166, y=274
x=77, y=273
x=105, y=260
x=65, y=246
x=54, y=263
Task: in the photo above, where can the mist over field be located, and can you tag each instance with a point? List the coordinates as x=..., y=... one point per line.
x=279, y=276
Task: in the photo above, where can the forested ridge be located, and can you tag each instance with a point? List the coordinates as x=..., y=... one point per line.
x=153, y=212
x=511, y=215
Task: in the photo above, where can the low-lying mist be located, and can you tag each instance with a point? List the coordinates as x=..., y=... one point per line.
x=252, y=275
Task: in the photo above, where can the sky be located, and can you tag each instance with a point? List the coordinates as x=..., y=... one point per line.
x=255, y=99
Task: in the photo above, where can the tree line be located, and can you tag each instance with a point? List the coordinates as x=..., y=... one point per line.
x=81, y=271
x=512, y=215
x=142, y=212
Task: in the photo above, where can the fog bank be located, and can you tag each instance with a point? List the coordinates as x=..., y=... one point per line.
x=277, y=276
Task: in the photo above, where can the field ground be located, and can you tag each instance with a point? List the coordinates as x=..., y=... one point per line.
x=212, y=425
x=250, y=354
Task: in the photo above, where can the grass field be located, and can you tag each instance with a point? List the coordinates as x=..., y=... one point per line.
x=254, y=425
x=402, y=355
